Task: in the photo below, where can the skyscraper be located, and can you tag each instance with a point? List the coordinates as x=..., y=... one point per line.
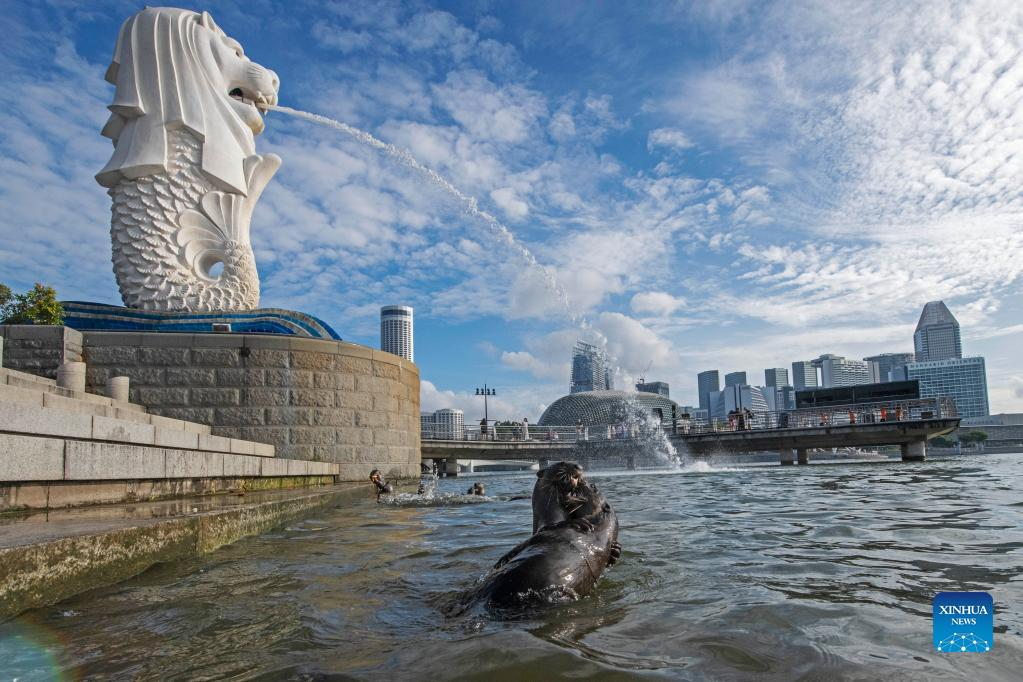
x=889, y=362
x=742, y=396
x=937, y=334
x=839, y=371
x=776, y=376
x=396, y=330
x=590, y=370
x=962, y=379
x=804, y=375
x=448, y=424
x=706, y=383
x=735, y=379
x=658, y=387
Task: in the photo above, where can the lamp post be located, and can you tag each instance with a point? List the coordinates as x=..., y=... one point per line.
x=486, y=392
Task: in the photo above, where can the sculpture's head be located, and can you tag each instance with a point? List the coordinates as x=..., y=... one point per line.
x=175, y=68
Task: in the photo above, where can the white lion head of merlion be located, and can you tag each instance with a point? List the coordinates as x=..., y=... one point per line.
x=173, y=68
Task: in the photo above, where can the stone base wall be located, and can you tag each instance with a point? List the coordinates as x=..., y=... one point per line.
x=39, y=349
x=329, y=401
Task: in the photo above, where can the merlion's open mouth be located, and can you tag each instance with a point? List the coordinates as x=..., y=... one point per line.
x=258, y=101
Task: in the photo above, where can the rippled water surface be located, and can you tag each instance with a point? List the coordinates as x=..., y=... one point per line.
x=816, y=572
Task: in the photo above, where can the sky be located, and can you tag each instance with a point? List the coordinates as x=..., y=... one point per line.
x=711, y=185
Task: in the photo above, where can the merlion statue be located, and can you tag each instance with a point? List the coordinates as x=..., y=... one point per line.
x=185, y=177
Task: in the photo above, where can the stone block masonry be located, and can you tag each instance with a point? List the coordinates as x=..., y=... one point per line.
x=39, y=349
x=313, y=399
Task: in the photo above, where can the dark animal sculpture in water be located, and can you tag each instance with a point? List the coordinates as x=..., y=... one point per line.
x=565, y=557
x=476, y=489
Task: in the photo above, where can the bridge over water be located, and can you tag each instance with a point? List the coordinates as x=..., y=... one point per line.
x=792, y=434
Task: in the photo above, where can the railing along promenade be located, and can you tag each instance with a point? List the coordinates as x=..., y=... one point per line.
x=907, y=423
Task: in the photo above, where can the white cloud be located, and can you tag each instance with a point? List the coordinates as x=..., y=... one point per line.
x=510, y=203
x=632, y=345
x=656, y=303
x=508, y=114
x=672, y=138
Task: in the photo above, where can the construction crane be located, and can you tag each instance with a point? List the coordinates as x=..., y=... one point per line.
x=642, y=377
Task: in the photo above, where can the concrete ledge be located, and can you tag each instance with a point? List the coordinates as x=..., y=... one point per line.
x=105, y=428
x=67, y=418
x=174, y=438
x=242, y=447
x=88, y=461
x=21, y=396
x=6, y=374
x=44, y=421
x=29, y=458
x=44, y=563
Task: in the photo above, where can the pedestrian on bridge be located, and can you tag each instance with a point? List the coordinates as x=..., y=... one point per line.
x=525, y=429
x=483, y=428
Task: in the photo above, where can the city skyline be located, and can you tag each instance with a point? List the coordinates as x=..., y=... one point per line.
x=733, y=208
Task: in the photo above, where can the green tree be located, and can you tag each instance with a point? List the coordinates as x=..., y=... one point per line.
x=38, y=305
x=973, y=437
x=5, y=300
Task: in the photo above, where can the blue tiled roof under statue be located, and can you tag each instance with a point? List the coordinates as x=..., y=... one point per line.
x=85, y=316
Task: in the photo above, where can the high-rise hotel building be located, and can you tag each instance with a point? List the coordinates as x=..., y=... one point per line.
x=937, y=334
x=396, y=331
x=940, y=366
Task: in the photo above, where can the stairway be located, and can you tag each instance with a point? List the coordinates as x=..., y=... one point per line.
x=62, y=448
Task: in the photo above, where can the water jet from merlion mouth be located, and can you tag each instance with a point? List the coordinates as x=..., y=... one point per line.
x=469, y=203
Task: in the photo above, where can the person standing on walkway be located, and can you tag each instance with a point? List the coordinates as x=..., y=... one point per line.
x=483, y=429
x=525, y=429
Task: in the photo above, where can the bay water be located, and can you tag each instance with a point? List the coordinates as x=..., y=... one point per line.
x=729, y=571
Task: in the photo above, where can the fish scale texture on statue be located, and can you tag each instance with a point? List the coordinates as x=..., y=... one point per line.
x=184, y=177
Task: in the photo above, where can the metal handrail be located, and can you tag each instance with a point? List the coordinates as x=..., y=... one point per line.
x=804, y=418
x=825, y=416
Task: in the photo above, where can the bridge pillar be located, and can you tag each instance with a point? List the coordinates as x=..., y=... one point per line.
x=915, y=451
x=450, y=468
x=803, y=455
x=786, y=456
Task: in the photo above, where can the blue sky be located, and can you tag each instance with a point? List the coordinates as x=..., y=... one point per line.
x=731, y=185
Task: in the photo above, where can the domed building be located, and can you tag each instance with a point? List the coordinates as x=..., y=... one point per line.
x=599, y=408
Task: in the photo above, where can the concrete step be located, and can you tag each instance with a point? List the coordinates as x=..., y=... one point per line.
x=5, y=372
x=30, y=383
x=140, y=429
x=20, y=396
x=34, y=458
x=50, y=556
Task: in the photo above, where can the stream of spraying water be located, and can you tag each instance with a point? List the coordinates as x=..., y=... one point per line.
x=469, y=203
x=663, y=450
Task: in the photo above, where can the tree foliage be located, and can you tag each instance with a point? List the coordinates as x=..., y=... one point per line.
x=38, y=305
x=973, y=437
